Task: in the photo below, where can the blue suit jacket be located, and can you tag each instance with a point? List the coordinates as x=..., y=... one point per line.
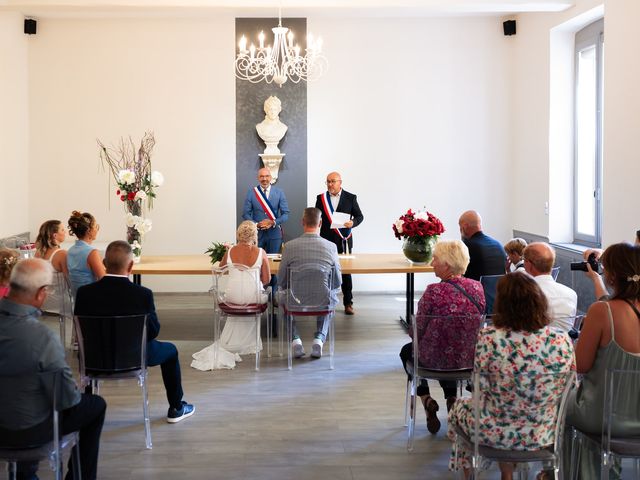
x=253, y=211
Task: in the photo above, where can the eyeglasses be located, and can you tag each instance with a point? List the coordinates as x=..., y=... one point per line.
x=329, y=182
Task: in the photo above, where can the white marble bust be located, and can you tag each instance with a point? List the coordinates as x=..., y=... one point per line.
x=271, y=129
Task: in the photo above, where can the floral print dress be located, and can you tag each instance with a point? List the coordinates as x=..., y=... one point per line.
x=517, y=370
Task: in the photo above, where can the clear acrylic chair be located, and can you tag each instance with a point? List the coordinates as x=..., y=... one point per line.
x=59, y=303
x=114, y=348
x=459, y=333
x=237, y=292
x=55, y=450
x=555, y=271
x=525, y=401
x=620, y=413
x=309, y=292
x=489, y=285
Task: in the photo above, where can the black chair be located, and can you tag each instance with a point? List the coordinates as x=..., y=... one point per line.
x=53, y=450
x=114, y=348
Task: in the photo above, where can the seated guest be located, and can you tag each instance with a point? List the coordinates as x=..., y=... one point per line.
x=486, y=256
x=453, y=296
x=50, y=237
x=8, y=260
x=28, y=349
x=514, y=249
x=520, y=321
x=563, y=301
x=239, y=336
x=610, y=339
x=311, y=248
x=83, y=261
x=115, y=294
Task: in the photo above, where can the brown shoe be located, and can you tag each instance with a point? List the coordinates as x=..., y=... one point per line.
x=431, y=407
x=348, y=310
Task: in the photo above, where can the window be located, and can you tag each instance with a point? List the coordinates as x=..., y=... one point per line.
x=587, y=188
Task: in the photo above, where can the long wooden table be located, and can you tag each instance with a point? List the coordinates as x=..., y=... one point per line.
x=361, y=263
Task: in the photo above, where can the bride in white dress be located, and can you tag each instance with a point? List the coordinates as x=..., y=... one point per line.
x=239, y=334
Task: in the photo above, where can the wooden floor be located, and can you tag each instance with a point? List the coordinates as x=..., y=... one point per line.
x=310, y=423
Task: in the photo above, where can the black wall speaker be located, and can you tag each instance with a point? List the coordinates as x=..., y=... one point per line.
x=30, y=26
x=509, y=27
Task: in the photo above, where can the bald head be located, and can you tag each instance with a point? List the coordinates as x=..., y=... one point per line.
x=264, y=177
x=539, y=258
x=118, y=258
x=334, y=183
x=29, y=279
x=470, y=223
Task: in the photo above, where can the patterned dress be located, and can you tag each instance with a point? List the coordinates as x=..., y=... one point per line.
x=517, y=367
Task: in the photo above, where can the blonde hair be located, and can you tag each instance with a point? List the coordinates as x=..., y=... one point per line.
x=247, y=232
x=515, y=245
x=8, y=260
x=455, y=254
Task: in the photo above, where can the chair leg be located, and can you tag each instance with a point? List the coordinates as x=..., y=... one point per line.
x=145, y=412
x=636, y=468
x=412, y=414
x=63, y=332
x=12, y=469
x=216, y=338
x=605, y=460
x=407, y=403
x=95, y=387
x=332, y=338
x=289, y=337
x=258, y=324
x=269, y=331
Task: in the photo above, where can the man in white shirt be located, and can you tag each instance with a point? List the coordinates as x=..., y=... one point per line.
x=538, y=261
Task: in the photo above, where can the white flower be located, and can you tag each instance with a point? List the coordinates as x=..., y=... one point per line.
x=143, y=226
x=157, y=179
x=140, y=195
x=422, y=216
x=132, y=220
x=135, y=245
x=126, y=177
x=399, y=224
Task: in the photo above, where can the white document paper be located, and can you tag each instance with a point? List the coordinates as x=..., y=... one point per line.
x=338, y=219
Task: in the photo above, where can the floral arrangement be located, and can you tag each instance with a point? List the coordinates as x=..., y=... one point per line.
x=217, y=250
x=417, y=225
x=130, y=167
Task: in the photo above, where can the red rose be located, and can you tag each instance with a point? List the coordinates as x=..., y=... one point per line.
x=131, y=195
x=123, y=197
x=118, y=192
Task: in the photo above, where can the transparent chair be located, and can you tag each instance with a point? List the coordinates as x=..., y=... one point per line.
x=238, y=293
x=54, y=450
x=59, y=302
x=310, y=291
x=114, y=348
x=534, y=396
x=620, y=437
x=489, y=284
x=555, y=271
x=457, y=333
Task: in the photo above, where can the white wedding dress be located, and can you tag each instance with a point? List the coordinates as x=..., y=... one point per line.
x=238, y=336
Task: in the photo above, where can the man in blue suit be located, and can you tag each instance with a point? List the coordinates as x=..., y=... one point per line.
x=267, y=206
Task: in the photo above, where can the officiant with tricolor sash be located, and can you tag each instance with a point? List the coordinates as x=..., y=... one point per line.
x=340, y=215
x=267, y=206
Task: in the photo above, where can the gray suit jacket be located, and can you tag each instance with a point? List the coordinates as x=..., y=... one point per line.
x=309, y=286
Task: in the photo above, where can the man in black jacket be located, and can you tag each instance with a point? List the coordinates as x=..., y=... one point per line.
x=115, y=294
x=487, y=257
x=335, y=199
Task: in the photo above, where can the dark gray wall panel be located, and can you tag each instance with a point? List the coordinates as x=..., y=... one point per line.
x=250, y=99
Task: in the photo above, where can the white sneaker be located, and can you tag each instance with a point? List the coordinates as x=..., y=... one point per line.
x=298, y=349
x=316, y=348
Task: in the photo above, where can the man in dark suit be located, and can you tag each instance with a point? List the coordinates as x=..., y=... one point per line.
x=267, y=206
x=115, y=294
x=335, y=199
x=487, y=257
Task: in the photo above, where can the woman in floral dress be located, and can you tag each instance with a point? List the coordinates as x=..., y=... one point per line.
x=519, y=349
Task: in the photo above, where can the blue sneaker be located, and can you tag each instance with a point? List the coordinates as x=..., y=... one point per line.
x=175, y=415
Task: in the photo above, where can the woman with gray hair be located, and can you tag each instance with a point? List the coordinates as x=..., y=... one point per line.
x=239, y=336
x=455, y=296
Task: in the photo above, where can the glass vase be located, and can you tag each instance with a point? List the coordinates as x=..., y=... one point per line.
x=418, y=250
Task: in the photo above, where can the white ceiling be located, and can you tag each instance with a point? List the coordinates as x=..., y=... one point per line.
x=268, y=8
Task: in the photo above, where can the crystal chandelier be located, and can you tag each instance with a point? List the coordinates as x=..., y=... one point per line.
x=282, y=61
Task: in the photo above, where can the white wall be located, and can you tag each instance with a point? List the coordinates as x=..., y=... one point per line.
x=14, y=128
x=621, y=121
x=422, y=120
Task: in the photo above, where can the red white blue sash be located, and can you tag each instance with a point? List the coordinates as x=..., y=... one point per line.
x=264, y=203
x=344, y=233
